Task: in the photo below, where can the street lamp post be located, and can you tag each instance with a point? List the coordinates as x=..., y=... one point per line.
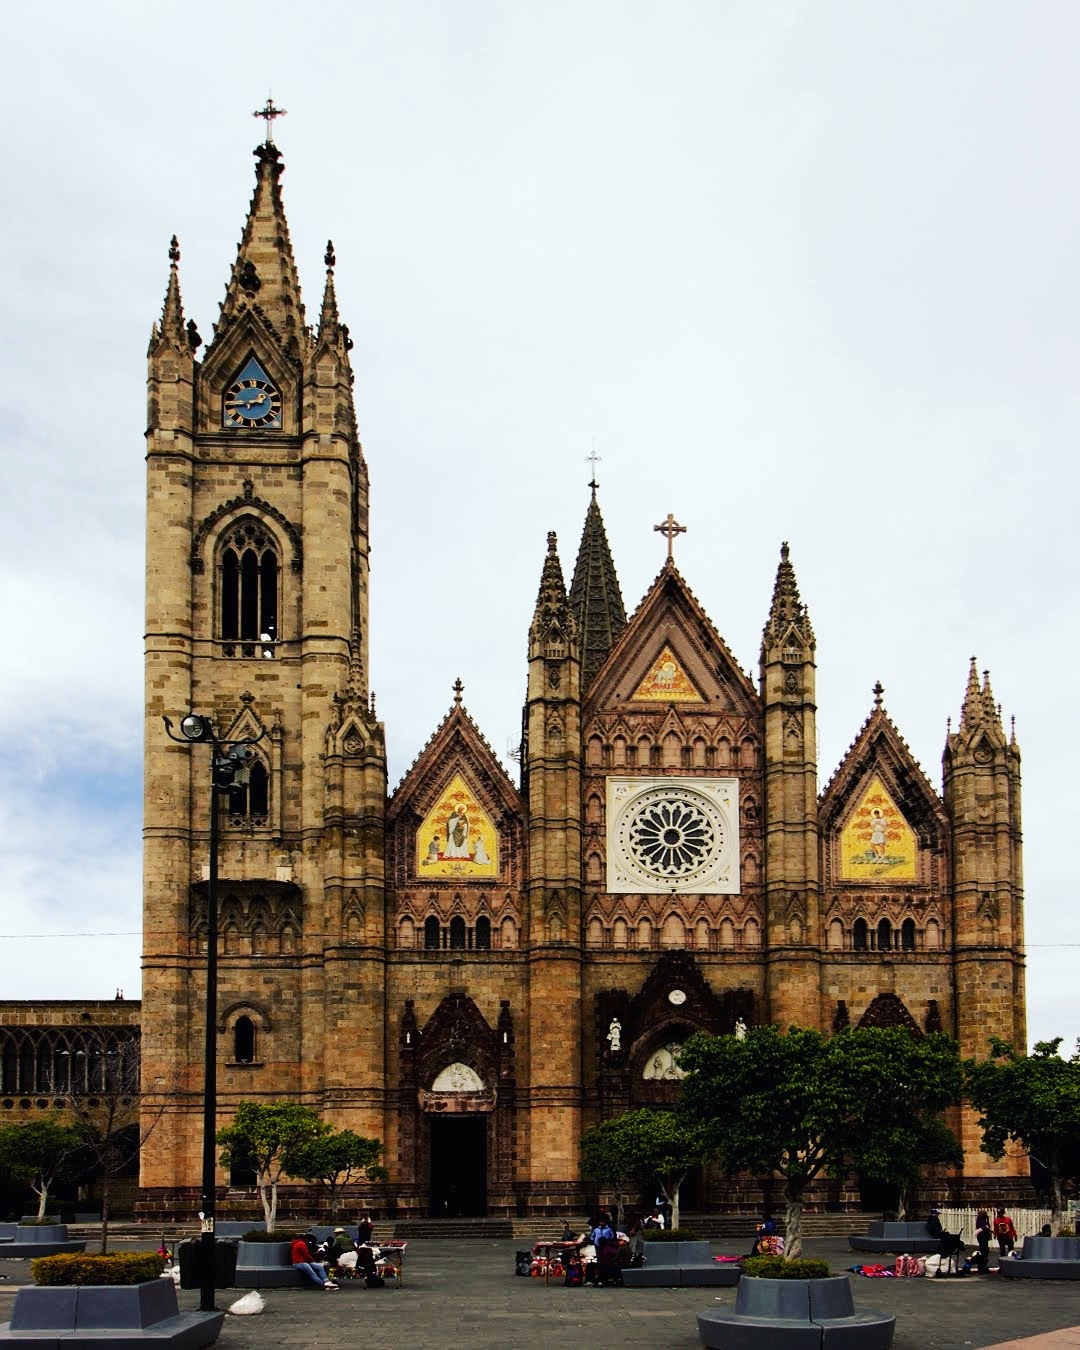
x=227, y=768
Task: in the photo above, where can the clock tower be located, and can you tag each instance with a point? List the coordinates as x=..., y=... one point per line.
x=257, y=617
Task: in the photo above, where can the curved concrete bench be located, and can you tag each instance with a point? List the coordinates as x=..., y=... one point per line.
x=47, y=1239
x=795, y=1315
x=894, y=1237
x=670, y=1264
x=1045, y=1258
x=267, y=1265
x=135, y=1314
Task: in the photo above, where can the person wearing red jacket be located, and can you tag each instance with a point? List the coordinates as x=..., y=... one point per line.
x=302, y=1261
x=1005, y=1232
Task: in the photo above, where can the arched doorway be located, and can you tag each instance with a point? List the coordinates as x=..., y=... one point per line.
x=458, y=1146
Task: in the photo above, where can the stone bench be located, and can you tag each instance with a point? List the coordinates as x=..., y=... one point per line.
x=50, y=1239
x=267, y=1265
x=795, y=1315
x=683, y=1263
x=52, y=1316
x=1045, y=1258
x=894, y=1237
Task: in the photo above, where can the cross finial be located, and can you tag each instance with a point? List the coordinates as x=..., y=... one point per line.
x=879, y=689
x=592, y=459
x=670, y=528
x=458, y=688
x=268, y=113
x=174, y=250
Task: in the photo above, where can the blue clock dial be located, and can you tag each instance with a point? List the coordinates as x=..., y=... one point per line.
x=252, y=400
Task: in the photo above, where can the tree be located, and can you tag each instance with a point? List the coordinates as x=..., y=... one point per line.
x=803, y=1105
x=649, y=1147
x=108, y=1105
x=264, y=1135
x=39, y=1153
x=334, y=1160
x=1034, y=1101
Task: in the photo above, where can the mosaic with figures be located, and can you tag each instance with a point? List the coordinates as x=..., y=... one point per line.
x=877, y=841
x=457, y=837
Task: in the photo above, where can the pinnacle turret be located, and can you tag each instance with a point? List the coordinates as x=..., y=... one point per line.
x=172, y=314
x=264, y=276
x=595, y=598
x=553, y=622
x=973, y=710
x=789, y=620
x=328, y=317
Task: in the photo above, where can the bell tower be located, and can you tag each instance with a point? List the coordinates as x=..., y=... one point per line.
x=257, y=617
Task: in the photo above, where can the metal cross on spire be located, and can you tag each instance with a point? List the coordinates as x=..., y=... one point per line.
x=670, y=528
x=268, y=114
x=592, y=459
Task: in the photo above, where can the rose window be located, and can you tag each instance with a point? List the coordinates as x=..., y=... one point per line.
x=671, y=838
x=671, y=835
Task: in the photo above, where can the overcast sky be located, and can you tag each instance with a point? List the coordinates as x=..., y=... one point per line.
x=797, y=271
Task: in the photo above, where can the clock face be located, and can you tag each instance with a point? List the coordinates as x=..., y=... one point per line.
x=677, y=997
x=252, y=400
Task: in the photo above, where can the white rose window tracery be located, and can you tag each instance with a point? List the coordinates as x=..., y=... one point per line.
x=672, y=837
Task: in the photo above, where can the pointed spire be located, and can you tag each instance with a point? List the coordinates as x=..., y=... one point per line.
x=328, y=318
x=553, y=621
x=172, y=314
x=787, y=611
x=991, y=710
x=971, y=714
x=595, y=598
x=264, y=274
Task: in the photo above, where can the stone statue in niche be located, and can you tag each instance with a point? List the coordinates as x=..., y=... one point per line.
x=614, y=1036
x=458, y=1078
x=740, y=1029
x=661, y=1065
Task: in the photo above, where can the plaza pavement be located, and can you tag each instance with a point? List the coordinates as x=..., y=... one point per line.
x=465, y=1296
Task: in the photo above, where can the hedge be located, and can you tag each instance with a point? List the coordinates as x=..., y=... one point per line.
x=79, y=1268
x=261, y=1235
x=670, y=1235
x=779, y=1268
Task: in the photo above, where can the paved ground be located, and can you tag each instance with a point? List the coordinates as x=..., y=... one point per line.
x=464, y=1296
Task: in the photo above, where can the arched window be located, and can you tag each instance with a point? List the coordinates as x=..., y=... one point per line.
x=884, y=936
x=249, y=591
x=483, y=934
x=244, y=1040
x=457, y=933
x=431, y=934
x=907, y=935
x=249, y=801
x=859, y=941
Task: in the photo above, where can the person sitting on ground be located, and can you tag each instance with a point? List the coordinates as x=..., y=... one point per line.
x=766, y=1230
x=303, y=1260
x=654, y=1219
x=341, y=1250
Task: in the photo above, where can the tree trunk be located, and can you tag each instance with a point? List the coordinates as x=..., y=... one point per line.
x=902, y=1200
x=105, y=1212
x=42, y=1196
x=1057, y=1203
x=792, y=1223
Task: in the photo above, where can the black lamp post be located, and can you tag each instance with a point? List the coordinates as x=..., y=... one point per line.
x=228, y=761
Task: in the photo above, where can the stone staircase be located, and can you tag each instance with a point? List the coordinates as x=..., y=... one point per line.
x=736, y=1230
x=452, y=1230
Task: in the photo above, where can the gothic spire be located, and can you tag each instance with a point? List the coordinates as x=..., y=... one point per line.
x=991, y=710
x=328, y=318
x=595, y=599
x=264, y=275
x=789, y=621
x=172, y=314
x=553, y=622
x=973, y=710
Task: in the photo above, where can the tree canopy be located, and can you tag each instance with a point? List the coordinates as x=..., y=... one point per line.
x=1034, y=1101
x=264, y=1135
x=801, y=1104
x=39, y=1153
x=649, y=1147
x=335, y=1159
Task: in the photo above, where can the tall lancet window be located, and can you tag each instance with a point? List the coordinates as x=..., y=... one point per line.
x=249, y=591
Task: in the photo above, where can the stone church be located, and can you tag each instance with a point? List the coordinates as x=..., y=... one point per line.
x=472, y=970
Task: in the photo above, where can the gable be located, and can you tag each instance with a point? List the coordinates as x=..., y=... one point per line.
x=877, y=842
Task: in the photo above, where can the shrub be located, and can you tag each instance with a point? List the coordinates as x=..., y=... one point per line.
x=278, y=1235
x=670, y=1235
x=779, y=1268
x=79, y=1268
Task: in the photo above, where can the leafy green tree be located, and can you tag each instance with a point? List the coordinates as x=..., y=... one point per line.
x=1034, y=1101
x=803, y=1105
x=649, y=1147
x=336, y=1159
x=264, y=1135
x=40, y=1153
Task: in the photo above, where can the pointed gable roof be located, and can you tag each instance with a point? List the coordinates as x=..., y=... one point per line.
x=879, y=750
x=670, y=616
x=456, y=746
x=595, y=598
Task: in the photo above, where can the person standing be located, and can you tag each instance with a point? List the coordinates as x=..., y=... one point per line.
x=982, y=1236
x=1005, y=1232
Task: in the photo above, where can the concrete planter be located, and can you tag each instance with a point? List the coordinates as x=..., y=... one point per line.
x=795, y=1314
x=1045, y=1258
x=49, y=1239
x=266, y=1265
x=134, y=1314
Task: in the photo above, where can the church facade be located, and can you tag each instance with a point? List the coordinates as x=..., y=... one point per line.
x=469, y=969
